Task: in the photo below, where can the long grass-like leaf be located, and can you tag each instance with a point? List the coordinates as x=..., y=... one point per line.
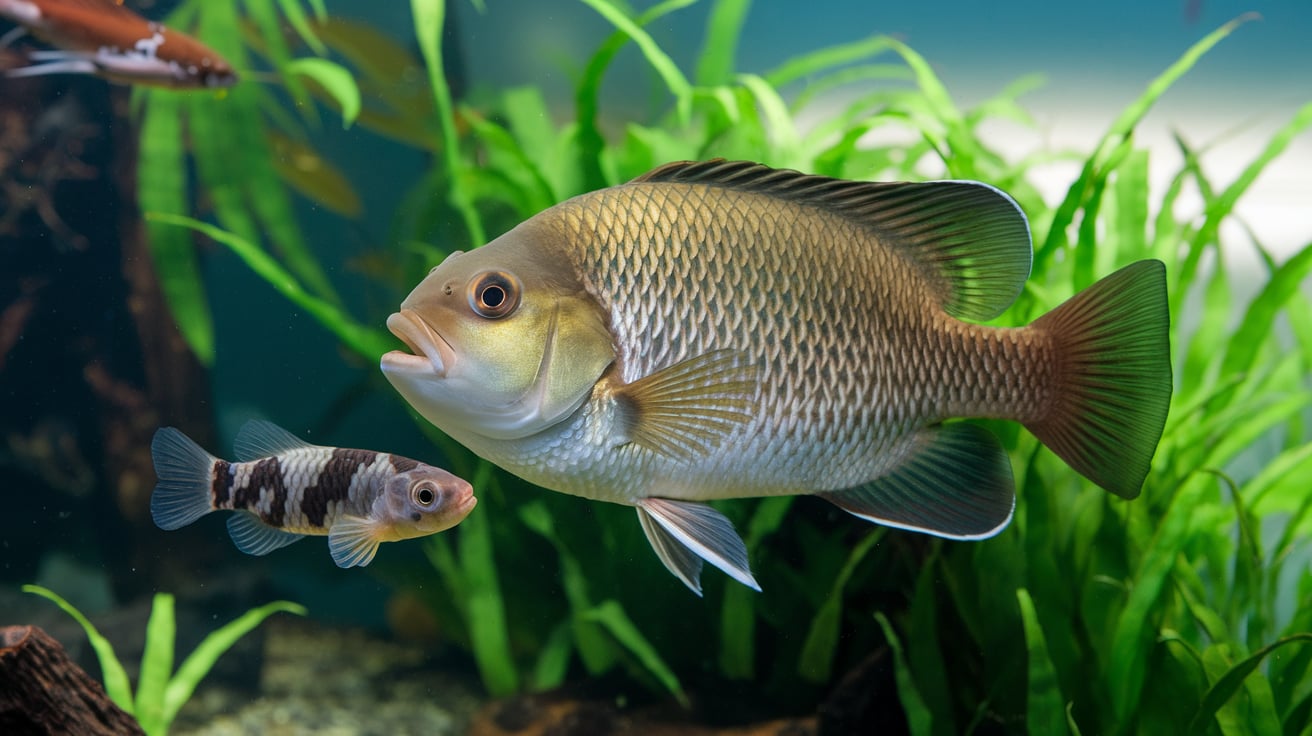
x=198, y=664
x=1044, y=710
x=715, y=65
x=156, y=666
x=828, y=58
x=611, y=615
x=489, y=635
x=1228, y=685
x=920, y=721
x=656, y=57
x=369, y=343
x=816, y=661
x=1257, y=324
x=111, y=670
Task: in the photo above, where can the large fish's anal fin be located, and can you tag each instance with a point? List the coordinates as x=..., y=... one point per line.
x=353, y=541
x=185, y=471
x=954, y=481
x=254, y=537
x=686, y=410
x=258, y=438
x=682, y=531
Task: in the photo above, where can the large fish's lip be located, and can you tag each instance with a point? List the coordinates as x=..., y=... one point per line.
x=429, y=351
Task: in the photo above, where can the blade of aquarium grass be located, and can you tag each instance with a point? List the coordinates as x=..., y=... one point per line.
x=825, y=59
x=156, y=665
x=715, y=64
x=202, y=659
x=488, y=633
x=300, y=22
x=553, y=658
x=162, y=187
x=1259, y=319
x=920, y=720
x=587, y=95
x=816, y=661
x=111, y=670
x=429, y=20
x=263, y=21
x=336, y=80
x=611, y=615
x=738, y=611
x=369, y=343
x=925, y=653
x=1132, y=197
x=1120, y=130
x=1133, y=634
x=657, y=58
x=1230, y=683
x=1044, y=711
x=782, y=133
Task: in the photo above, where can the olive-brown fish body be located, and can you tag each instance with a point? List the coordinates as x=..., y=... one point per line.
x=722, y=329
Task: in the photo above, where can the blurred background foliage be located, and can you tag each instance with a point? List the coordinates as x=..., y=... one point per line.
x=1187, y=609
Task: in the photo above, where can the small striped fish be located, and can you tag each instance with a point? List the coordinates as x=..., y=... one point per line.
x=287, y=489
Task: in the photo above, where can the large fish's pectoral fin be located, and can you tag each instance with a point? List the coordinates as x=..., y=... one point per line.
x=683, y=531
x=954, y=481
x=684, y=411
x=259, y=439
x=254, y=537
x=353, y=541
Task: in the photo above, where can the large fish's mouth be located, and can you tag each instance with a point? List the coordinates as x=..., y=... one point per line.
x=429, y=352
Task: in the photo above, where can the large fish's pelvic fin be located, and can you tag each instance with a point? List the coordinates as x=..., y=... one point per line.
x=1113, y=377
x=969, y=240
x=254, y=537
x=684, y=411
x=703, y=531
x=353, y=541
x=258, y=439
x=954, y=481
x=184, y=470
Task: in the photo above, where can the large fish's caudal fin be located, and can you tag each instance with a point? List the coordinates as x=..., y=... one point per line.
x=1113, y=377
x=683, y=533
x=184, y=469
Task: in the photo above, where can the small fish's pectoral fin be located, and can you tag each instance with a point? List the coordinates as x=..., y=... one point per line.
x=954, y=481
x=353, y=541
x=184, y=468
x=686, y=410
x=677, y=558
x=259, y=439
x=703, y=531
x=254, y=537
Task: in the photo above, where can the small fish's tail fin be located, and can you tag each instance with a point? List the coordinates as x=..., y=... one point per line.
x=1112, y=386
x=184, y=469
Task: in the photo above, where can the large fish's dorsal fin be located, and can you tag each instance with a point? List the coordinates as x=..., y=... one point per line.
x=259, y=439
x=971, y=240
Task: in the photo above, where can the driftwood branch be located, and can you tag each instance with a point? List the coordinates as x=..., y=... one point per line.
x=42, y=691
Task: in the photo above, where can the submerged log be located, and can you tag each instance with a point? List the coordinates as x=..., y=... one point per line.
x=42, y=691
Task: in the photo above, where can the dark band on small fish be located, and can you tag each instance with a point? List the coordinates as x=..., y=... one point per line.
x=334, y=482
x=265, y=473
x=220, y=484
x=403, y=464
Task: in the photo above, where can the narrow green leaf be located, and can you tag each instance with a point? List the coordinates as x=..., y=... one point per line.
x=116, y=678
x=715, y=65
x=156, y=665
x=300, y=22
x=336, y=79
x=816, y=661
x=658, y=59
x=1045, y=712
x=1228, y=685
x=783, y=133
x=202, y=659
x=920, y=721
x=553, y=658
x=369, y=343
x=611, y=615
x=827, y=58
x=1260, y=316
x=488, y=632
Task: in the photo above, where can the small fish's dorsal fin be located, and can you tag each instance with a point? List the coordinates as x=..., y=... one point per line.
x=971, y=240
x=259, y=439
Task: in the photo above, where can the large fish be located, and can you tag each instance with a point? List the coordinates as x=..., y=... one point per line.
x=723, y=329
x=103, y=38
x=284, y=489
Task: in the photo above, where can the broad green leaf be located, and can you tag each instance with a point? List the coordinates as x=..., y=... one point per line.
x=315, y=177
x=336, y=80
x=300, y=22
x=1045, y=712
x=156, y=666
x=111, y=670
x=198, y=664
x=1229, y=684
x=553, y=659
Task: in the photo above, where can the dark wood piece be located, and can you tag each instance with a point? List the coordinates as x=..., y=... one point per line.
x=42, y=691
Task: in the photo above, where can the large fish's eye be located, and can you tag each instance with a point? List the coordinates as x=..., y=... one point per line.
x=424, y=494
x=493, y=294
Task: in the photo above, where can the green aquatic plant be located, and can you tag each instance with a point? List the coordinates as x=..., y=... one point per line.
x=1189, y=607
x=161, y=692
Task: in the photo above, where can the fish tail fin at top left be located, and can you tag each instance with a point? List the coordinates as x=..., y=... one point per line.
x=185, y=470
x=1113, y=377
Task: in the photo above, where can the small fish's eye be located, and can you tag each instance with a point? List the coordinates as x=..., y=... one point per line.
x=424, y=494
x=493, y=294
